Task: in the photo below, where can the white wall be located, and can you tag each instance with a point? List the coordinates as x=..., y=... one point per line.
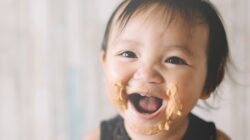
x=51, y=85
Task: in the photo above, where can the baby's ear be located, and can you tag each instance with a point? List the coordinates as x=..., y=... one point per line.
x=205, y=95
x=102, y=57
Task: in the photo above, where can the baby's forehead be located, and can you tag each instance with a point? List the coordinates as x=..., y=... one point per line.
x=156, y=17
x=161, y=16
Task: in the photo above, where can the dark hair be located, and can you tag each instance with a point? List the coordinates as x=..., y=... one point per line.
x=189, y=10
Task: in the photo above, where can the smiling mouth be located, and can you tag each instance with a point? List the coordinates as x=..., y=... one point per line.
x=145, y=104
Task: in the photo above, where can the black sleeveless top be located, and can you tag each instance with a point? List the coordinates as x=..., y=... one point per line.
x=198, y=129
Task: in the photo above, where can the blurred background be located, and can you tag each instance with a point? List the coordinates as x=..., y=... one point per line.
x=51, y=82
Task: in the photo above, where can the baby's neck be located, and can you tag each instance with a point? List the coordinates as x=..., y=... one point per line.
x=175, y=133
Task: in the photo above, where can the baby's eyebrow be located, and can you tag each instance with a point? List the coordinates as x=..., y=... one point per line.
x=181, y=47
x=128, y=41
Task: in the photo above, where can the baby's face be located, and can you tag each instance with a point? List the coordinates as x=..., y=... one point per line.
x=149, y=59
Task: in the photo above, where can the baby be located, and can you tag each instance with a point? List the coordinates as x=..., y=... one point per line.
x=159, y=58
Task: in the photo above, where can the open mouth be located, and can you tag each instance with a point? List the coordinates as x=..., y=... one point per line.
x=145, y=104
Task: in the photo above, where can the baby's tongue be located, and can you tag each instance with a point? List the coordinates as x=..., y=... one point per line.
x=149, y=104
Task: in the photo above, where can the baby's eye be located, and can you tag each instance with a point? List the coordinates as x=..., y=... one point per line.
x=128, y=54
x=175, y=60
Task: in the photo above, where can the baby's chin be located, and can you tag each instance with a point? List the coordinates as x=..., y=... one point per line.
x=148, y=124
x=145, y=128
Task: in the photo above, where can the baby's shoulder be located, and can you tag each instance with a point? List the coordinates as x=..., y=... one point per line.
x=221, y=135
x=93, y=135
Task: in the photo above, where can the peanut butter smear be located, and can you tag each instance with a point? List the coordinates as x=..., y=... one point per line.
x=172, y=111
x=120, y=98
x=174, y=106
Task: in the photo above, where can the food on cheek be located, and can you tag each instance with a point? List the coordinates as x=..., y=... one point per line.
x=120, y=99
x=174, y=106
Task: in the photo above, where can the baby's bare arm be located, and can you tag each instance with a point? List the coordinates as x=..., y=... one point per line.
x=93, y=135
x=221, y=135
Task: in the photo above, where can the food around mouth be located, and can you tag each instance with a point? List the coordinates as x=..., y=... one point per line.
x=147, y=105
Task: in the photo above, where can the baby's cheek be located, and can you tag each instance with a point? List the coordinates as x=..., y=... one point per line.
x=189, y=97
x=118, y=72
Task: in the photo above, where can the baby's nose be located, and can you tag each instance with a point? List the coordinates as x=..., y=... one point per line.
x=148, y=74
